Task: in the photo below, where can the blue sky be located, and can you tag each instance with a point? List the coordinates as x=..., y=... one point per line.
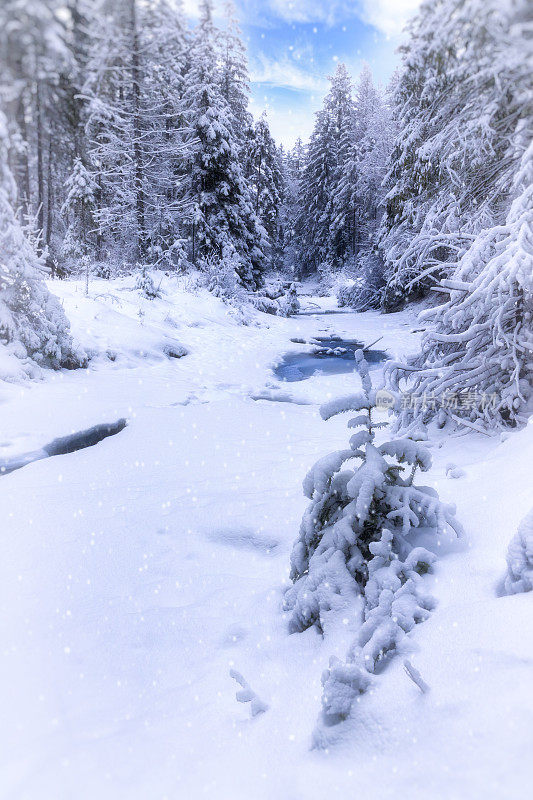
x=293, y=45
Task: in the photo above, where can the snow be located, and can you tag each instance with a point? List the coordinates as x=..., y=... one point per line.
x=520, y=558
x=137, y=573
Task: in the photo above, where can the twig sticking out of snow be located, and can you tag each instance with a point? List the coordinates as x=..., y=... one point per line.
x=415, y=676
x=368, y=346
x=247, y=694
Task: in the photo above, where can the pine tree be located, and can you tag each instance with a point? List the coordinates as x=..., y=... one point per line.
x=361, y=194
x=234, y=77
x=266, y=176
x=164, y=61
x=222, y=206
x=293, y=233
x=113, y=149
x=339, y=213
x=78, y=210
x=35, y=64
x=33, y=325
x=354, y=541
x=314, y=196
x=323, y=227
x=457, y=103
x=475, y=364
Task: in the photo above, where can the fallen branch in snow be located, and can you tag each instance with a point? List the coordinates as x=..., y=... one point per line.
x=415, y=676
x=368, y=346
x=469, y=425
x=247, y=694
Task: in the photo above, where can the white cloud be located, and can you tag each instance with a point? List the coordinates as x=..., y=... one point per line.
x=285, y=73
x=388, y=16
x=310, y=10
x=191, y=8
x=285, y=124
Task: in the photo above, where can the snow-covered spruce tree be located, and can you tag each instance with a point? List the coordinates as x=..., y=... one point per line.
x=234, y=77
x=293, y=165
x=361, y=193
x=346, y=203
x=338, y=214
x=146, y=285
x=35, y=66
x=163, y=60
x=77, y=210
x=266, y=177
x=222, y=208
x=33, y=325
x=476, y=362
x=136, y=129
x=115, y=149
x=459, y=97
x=322, y=239
x=355, y=540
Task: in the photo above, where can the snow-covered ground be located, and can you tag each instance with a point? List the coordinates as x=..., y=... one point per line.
x=137, y=573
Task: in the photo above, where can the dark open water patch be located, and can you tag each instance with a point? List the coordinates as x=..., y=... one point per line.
x=64, y=445
x=331, y=356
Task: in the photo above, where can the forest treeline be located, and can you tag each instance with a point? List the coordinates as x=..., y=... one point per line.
x=130, y=141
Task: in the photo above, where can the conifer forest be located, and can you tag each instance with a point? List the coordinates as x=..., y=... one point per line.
x=266, y=396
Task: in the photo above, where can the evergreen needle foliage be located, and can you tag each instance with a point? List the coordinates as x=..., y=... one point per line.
x=358, y=540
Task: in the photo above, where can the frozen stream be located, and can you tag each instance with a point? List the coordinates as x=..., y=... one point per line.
x=330, y=356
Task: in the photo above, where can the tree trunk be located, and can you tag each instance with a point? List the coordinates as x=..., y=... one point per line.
x=137, y=144
x=49, y=195
x=40, y=174
x=24, y=169
x=258, y=184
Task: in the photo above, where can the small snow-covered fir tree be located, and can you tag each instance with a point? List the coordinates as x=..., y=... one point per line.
x=289, y=304
x=146, y=284
x=32, y=322
x=356, y=540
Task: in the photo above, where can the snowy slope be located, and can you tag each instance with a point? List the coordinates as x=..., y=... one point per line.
x=138, y=572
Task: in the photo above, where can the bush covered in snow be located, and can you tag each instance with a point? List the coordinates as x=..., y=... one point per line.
x=32, y=322
x=222, y=275
x=146, y=285
x=265, y=304
x=520, y=558
x=365, y=291
x=289, y=303
x=274, y=289
x=356, y=540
